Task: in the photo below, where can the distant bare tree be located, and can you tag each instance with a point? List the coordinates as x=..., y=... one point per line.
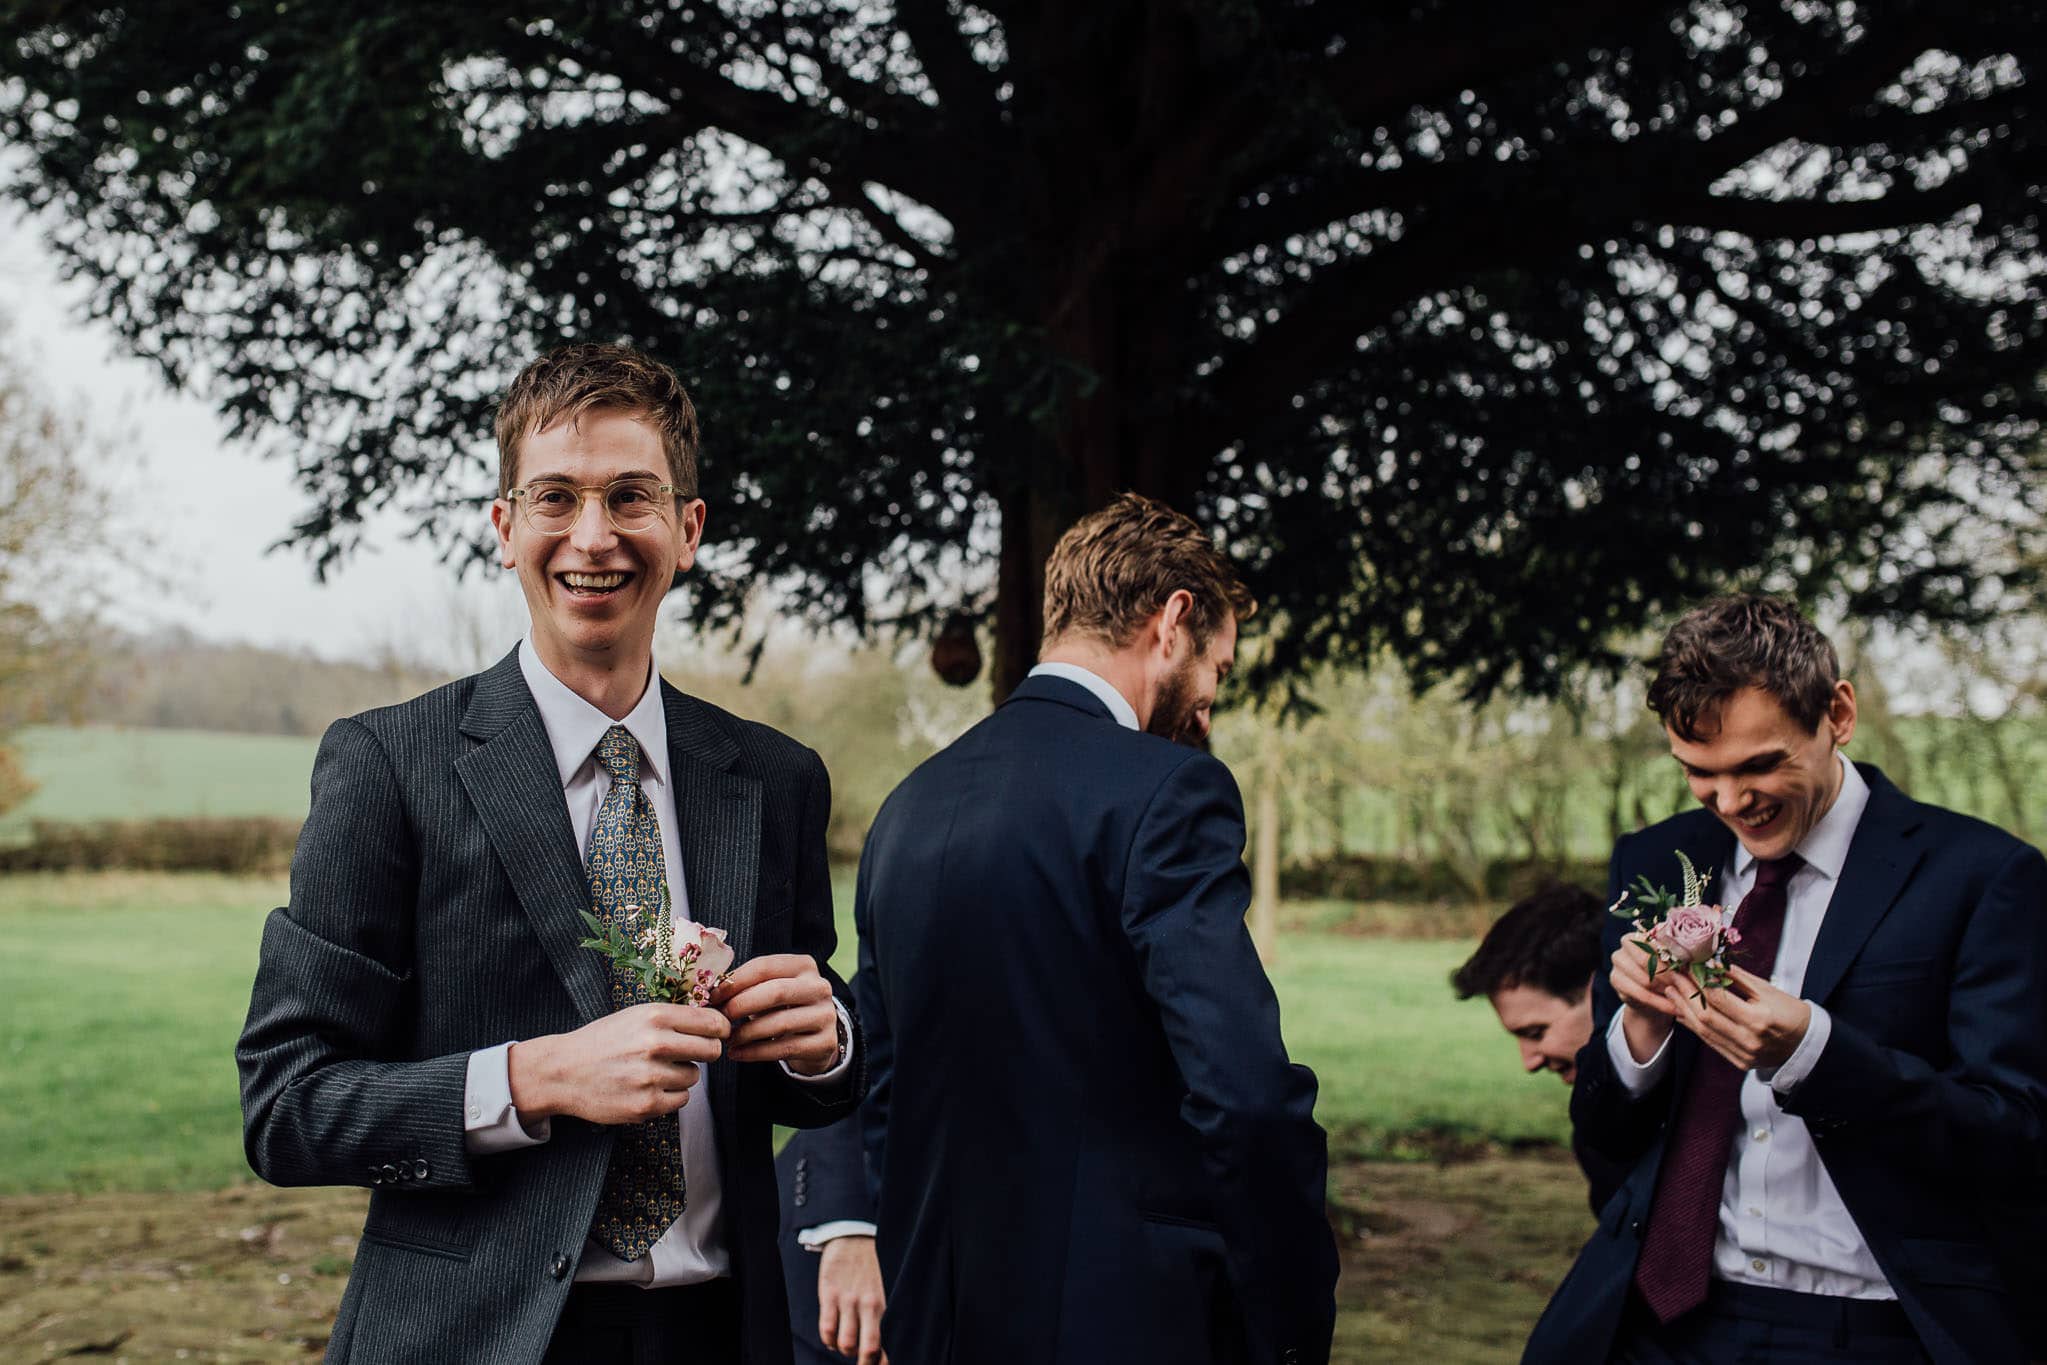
x=48, y=492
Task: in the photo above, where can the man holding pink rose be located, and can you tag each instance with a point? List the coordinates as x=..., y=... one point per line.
x=1825, y=1068
x=567, y=1147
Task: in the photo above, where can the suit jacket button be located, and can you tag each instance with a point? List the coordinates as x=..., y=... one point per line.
x=801, y=1199
x=560, y=1268
x=420, y=1170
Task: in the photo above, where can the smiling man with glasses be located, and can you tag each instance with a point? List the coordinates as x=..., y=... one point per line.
x=560, y=1169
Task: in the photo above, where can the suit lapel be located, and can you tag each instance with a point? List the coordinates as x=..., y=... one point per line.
x=517, y=793
x=718, y=822
x=1881, y=857
x=718, y=829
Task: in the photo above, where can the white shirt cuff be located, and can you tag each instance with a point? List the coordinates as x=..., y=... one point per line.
x=813, y=1239
x=845, y=1054
x=1638, y=1078
x=490, y=1122
x=1805, y=1056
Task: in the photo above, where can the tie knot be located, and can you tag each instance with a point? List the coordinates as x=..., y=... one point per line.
x=1774, y=872
x=619, y=753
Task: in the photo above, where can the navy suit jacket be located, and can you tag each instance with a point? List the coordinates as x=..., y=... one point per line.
x=821, y=1174
x=1090, y=1142
x=1928, y=1107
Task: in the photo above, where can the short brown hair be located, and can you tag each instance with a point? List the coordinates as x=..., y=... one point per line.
x=1548, y=941
x=1730, y=643
x=1115, y=568
x=571, y=380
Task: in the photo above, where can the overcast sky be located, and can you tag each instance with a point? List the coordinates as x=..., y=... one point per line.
x=218, y=580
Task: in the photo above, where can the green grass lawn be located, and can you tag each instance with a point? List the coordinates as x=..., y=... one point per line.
x=107, y=773
x=121, y=996
x=1399, y=1057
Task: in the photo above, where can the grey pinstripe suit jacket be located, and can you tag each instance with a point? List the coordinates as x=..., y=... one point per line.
x=433, y=907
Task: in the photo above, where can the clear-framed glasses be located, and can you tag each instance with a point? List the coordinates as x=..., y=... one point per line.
x=551, y=506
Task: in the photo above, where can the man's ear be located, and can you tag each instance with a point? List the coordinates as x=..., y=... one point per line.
x=501, y=522
x=691, y=533
x=1840, y=717
x=1172, y=618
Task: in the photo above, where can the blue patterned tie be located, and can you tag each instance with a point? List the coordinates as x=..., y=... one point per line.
x=643, y=1187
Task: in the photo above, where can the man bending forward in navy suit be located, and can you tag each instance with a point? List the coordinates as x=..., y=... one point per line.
x=1091, y=1145
x=1832, y=1159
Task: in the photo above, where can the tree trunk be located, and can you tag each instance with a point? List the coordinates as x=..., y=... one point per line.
x=1019, y=598
x=1265, y=861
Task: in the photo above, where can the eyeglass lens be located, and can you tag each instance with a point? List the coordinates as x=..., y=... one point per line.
x=632, y=504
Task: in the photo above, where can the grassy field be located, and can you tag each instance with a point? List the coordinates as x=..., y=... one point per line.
x=104, y=773
x=130, y=1227
x=124, y=994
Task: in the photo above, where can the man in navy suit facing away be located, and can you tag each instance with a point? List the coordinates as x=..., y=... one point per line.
x=1091, y=1145
x=1832, y=1158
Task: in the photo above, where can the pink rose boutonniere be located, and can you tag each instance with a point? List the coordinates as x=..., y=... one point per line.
x=1681, y=934
x=680, y=964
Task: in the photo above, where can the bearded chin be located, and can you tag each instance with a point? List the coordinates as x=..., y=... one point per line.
x=1172, y=710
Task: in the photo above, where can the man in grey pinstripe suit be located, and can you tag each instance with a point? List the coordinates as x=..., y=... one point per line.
x=424, y=1021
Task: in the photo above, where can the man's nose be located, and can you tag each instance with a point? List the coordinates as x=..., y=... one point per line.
x=1532, y=1059
x=593, y=529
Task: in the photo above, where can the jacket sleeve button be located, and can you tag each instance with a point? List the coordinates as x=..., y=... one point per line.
x=420, y=1170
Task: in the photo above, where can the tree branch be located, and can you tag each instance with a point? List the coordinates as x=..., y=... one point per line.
x=1466, y=233
x=803, y=135
x=1475, y=185
x=1772, y=219
x=964, y=87
x=1371, y=85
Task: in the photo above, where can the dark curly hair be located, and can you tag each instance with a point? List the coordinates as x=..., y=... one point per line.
x=1730, y=643
x=1548, y=940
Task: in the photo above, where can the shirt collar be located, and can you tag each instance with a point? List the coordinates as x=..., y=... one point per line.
x=1118, y=704
x=1825, y=846
x=574, y=726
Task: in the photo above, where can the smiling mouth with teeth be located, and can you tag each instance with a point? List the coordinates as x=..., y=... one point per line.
x=593, y=584
x=1759, y=819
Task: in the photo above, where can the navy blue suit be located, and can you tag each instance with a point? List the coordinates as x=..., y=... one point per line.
x=1928, y=1107
x=822, y=1176
x=1091, y=1145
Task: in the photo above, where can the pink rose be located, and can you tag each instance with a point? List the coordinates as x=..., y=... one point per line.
x=1690, y=932
x=699, y=948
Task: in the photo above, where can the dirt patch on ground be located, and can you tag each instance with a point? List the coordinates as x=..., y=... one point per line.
x=245, y=1274
x=1451, y=1262
x=1446, y=1261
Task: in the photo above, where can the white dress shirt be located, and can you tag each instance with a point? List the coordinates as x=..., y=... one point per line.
x=1782, y=1222
x=1118, y=704
x=693, y=1249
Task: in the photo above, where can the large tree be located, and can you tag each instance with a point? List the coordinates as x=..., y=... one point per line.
x=1480, y=330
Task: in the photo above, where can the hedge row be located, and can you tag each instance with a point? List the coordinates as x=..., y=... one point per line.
x=264, y=844
x=252, y=844
x=1372, y=877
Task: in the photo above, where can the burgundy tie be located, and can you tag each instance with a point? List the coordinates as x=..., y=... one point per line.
x=1684, y=1219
